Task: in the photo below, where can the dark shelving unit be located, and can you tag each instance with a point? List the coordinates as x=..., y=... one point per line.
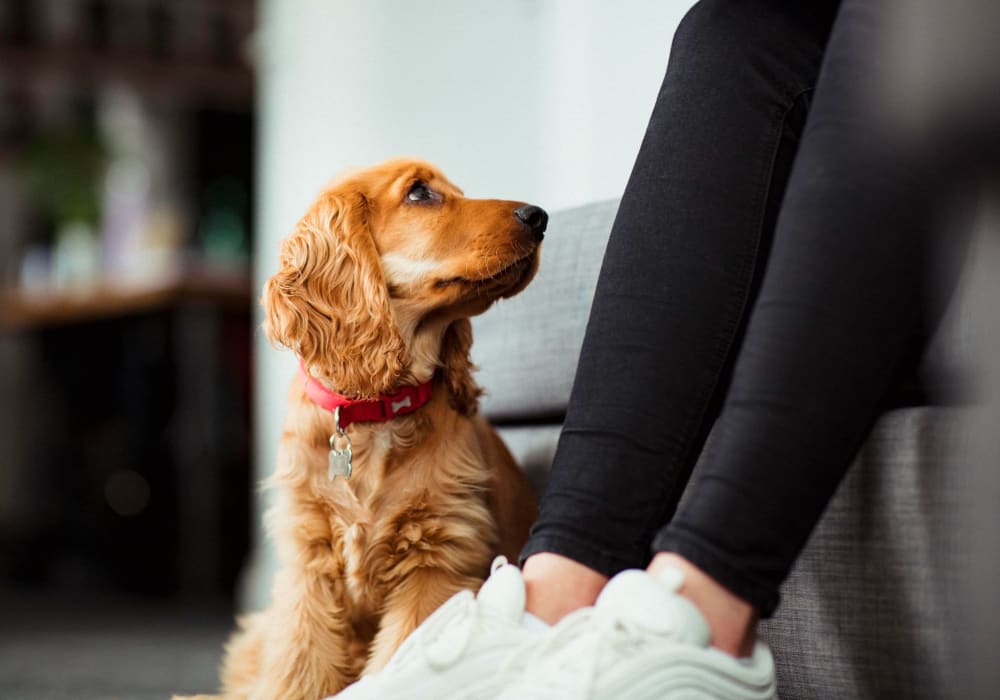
x=140, y=384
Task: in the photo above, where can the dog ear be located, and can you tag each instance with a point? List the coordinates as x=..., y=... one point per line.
x=457, y=368
x=329, y=302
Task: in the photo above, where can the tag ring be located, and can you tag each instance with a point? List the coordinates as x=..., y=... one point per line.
x=339, y=432
x=336, y=423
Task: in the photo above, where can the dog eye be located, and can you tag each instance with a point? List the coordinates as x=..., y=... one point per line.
x=420, y=192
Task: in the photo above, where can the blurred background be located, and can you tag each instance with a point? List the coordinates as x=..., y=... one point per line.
x=152, y=155
x=126, y=211
x=126, y=172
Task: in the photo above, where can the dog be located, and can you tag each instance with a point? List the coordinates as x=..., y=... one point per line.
x=382, y=517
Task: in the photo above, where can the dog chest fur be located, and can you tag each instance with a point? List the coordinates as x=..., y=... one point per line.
x=354, y=543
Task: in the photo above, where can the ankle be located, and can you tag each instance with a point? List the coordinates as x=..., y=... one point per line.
x=556, y=586
x=731, y=620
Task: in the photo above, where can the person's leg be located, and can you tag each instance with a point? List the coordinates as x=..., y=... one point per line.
x=680, y=273
x=844, y=294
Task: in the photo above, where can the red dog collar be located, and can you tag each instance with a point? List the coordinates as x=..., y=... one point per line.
x=386, y=407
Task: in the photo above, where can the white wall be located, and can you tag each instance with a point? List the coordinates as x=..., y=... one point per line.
x=544, y=101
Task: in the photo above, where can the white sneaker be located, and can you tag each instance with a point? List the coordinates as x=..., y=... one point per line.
x=471, y=647
x=641, y=640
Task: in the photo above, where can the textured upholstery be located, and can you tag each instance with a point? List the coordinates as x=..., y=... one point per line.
x=864, y=613
x=867, y=611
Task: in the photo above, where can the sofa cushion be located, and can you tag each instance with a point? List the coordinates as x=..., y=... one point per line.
x=869, y=607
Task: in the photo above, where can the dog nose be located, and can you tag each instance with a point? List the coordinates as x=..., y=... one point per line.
x=534, y=218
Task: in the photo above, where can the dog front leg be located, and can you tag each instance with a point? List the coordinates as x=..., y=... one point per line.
x=415, y=597
x=306, y=650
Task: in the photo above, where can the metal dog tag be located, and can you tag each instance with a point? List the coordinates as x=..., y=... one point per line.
x=340, y=461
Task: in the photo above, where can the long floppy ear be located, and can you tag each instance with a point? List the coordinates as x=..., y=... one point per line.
x=457, y=367
x=329, y=302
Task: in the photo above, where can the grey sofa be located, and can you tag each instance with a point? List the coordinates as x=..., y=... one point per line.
x=867, y=609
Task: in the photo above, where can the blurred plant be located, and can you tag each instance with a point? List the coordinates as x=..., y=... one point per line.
x=62, y=170
x=223, y=231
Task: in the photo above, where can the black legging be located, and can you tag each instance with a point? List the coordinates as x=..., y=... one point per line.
x=788, y=365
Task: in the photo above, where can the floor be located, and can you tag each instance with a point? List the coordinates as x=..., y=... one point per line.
x=108, y=649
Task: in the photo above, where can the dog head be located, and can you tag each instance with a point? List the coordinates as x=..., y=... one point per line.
x=385, y=268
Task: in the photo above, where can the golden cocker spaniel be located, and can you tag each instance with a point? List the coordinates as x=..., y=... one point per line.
x=374, y=292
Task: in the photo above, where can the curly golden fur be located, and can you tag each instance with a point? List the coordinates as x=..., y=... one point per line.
x=375, y=288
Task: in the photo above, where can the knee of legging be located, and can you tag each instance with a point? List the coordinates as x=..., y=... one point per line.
x=720, y=40
x=715, y=37
x=716, y=27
